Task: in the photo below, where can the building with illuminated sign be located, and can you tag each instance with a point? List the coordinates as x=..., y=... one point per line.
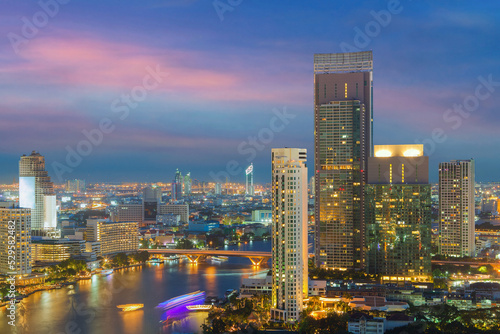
x=398, y=214
x=343, y=118
x=457, y=208
x=289, y=233
x=15, y=234
x=36, y=192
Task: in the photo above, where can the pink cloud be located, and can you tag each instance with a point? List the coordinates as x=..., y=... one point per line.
x=84, y=61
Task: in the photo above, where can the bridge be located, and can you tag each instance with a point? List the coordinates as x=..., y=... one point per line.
x=257, y=258
x=494, y=264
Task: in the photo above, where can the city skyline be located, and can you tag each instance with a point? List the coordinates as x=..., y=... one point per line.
x=205, y=109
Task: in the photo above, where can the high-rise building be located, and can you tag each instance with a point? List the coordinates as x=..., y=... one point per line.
x=36, y=192
x=187, y=183
x=151, y=199
x=456, y=208
x=177, y=186
x=115, y=237
x=75, y=186
x=289, y=230
x=218, y=189
x=15, y=235
x=343, y=118
x=249, y=189
x=398, y=214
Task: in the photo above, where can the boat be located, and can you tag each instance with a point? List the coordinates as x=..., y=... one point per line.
x=155, y=260
x=199, y=307
x=181, y=300
x=219, y=258
x=130, y=307
x=106, y=272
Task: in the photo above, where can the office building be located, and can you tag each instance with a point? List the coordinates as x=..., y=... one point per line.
x=456, y=208
x=151, y=199
x=187, y=183
x=36, y=192
x=129, y=212
x=176, y=209
x=218, y=189
x=177, y=186
x=115, y=237
x=289, y=233
x=75, y=186
x=15, y=230
x=398, y=214
x=343, y=118
x=249, y=189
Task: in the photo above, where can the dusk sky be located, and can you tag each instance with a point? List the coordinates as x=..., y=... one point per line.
x=229, y=72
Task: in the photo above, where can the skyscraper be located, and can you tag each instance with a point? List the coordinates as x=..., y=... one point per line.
x=15, y=230
x=249, y=189
x=343, y=118
x=456, y=208
x=289, y=241
x=187, y=182
x=36, y=192
x=177, y=186
x=398, y=214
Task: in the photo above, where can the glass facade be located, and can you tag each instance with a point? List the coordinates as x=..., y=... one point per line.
x=398, y=230
x=339, y=190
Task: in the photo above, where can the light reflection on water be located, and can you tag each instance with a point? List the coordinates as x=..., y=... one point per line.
x=92, y=307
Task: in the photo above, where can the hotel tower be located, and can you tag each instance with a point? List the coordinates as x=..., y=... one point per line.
x=289, y=233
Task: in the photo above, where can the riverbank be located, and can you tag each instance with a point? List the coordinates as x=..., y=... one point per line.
x=60, y=285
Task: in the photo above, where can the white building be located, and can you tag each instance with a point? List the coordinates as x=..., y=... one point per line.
x=15, y=230
x=289, y=246
x=36, y=192
x=457, y=208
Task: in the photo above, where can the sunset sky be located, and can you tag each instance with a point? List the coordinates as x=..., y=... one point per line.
x=225, y=78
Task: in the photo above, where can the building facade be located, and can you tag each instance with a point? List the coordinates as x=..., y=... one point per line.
x=36, y=192
x=15, y=235
x=176, y=209
x=49, y=250
x=398, y=214
x=115, y=237
x=343, y=118
x=289, y=233
x=457, y=208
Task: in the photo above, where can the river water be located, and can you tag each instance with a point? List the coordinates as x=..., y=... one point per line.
x=90, y=306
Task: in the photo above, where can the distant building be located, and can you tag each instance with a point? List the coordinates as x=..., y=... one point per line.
x=115, y=237
x=289, y=235
x=168, y=219
x=457, y=208
x=176, y=209
x=361, y=323
x=177, y=186
x=186, y=185
x=36, y=192
x=206, y=226
x=218, y=189
x=15, y=235
x=129, y=212
x=398, y=213
x=262, y=216
x=75, y=186
x=249, y=188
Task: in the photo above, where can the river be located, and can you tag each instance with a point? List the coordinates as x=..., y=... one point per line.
x=90, y=306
